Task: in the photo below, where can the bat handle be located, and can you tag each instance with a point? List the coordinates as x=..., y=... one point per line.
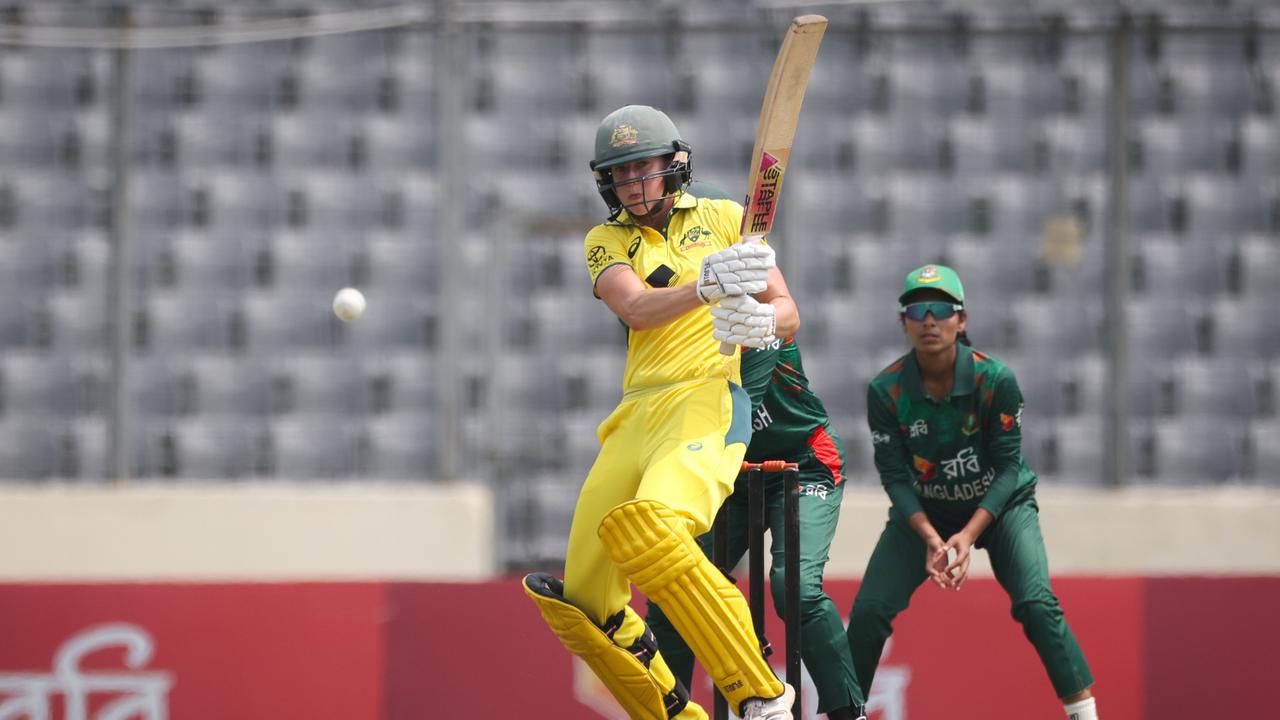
x=727, y=348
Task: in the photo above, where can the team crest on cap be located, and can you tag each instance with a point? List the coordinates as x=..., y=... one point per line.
x=624, y=134
x=929, y=274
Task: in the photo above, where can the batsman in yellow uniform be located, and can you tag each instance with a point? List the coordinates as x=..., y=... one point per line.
x=672, y=448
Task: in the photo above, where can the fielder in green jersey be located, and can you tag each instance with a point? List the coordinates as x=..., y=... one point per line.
x=788, y=423
x=946, y=426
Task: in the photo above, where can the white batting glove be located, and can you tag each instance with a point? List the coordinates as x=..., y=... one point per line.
x=740, y=269
x=742, y=320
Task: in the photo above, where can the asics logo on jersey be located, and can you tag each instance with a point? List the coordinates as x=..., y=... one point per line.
x=634, y=248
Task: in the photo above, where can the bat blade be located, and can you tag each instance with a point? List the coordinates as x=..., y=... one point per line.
x=779, y=114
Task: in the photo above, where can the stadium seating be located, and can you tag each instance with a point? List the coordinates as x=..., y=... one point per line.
x=264, y=176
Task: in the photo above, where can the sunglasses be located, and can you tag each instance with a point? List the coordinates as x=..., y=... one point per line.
x=939, y=310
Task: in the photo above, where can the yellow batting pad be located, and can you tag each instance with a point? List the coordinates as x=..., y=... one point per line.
x=636, y=675
x=652, y=546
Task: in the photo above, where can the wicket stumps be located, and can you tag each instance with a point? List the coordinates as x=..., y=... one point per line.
x=756, y=524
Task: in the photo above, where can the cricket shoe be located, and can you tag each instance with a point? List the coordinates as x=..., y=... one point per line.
x=778, y=708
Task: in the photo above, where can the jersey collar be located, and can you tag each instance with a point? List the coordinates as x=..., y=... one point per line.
x=963, y=384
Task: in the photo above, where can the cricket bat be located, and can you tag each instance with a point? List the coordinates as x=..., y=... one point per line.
x=777, y=129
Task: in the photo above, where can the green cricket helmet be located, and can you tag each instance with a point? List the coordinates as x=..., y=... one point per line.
x=636, y=132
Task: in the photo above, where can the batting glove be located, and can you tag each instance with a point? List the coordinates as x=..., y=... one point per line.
x=739, y=269
x=742, y=320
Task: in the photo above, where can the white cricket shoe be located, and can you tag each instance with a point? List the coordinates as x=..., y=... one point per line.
x=778, y=708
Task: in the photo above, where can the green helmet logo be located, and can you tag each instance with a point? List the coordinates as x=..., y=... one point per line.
x=624, y=134
x=632, y=133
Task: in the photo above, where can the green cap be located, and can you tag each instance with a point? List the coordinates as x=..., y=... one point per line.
x=937, y=277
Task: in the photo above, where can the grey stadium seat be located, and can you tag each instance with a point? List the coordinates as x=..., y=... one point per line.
x=28, y=449
x=396, y=321
x=41, y=384
x=402, y=382
x=224, y=384
x=400, y=142
x=278, y=321
x=1199, y=449
x=1266, y=451
x=401, y=263
x=203, y=447
x=182, y=321
x=403, y=446
x=1245, y=326
x=319, y=384
x=311, y=261
x=78, y=321
x=314, y=447
x=1080, y=449
x=214, y=262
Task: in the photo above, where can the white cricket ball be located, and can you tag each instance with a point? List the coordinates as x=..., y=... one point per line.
x=348, y=304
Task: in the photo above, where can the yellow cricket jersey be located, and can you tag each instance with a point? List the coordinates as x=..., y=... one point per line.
x=684, y=348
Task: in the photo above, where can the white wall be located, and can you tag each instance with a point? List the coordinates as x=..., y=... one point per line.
x=447, y=532
x=1147, y=531
x=316, y=531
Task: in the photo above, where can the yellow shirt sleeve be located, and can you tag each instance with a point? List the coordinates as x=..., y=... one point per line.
x=604, y=247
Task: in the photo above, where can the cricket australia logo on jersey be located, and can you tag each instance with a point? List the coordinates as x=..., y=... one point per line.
x=918, y=428
x=965, y=462
x=694, y=239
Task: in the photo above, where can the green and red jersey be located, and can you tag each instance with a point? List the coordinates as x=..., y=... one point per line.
x=951, y=456
x=787, y=418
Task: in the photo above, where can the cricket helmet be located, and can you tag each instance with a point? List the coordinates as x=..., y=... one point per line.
x=636, y=132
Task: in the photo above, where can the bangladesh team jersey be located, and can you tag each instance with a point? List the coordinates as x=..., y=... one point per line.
x=683, y=349
x=949, y=457
x=786, y=416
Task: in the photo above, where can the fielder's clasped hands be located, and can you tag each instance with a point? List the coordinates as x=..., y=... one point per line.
x=740, y=269
x=743, y=320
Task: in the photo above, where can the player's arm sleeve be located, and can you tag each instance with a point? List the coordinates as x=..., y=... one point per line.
x=1003, y=434
x=891, y=453
x=603, y=250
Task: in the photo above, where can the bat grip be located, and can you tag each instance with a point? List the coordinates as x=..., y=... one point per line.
x=726, y=348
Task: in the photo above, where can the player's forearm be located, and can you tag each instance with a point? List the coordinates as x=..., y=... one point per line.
x=654, y=307
x=919, y=522
x=977, y=524
x=786, y=316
